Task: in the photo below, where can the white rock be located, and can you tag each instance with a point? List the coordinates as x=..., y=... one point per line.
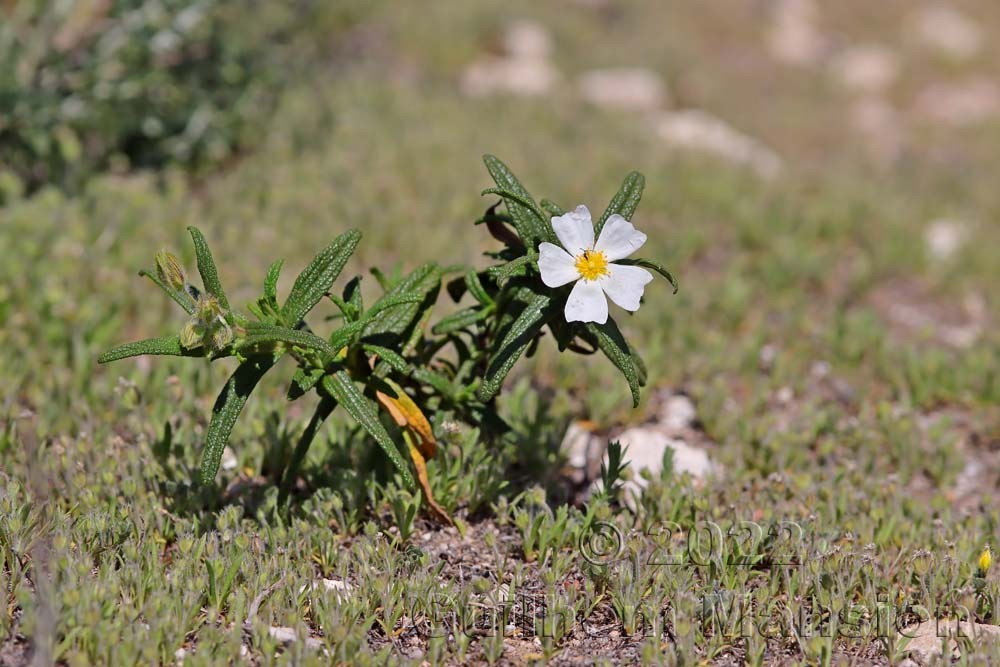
x=646, y=447
x=624, y=88
x=924, y=640
x=960, y=103
x=870, y=68
x=520, y=76
x=676, y=413
x=944, y=238
x=944, y=29
x=527, y=39
x=793, y=37
x=229, y=460
x=287, y=635
x=340, y=589
x=583, y=451
x=700, y=131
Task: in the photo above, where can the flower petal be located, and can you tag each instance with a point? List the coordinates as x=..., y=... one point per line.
x=587, y=303
x=625, y=285
x=575, y=230
x=556, y=265
x=619, y=238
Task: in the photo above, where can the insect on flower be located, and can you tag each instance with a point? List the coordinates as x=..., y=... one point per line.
x=591, y=265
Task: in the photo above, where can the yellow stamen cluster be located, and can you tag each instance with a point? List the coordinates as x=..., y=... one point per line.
x=592, y=264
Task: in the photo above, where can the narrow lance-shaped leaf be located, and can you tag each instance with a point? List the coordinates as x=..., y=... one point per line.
x=167, y=345
x=182, y=299
x=317, y=278
x=271, y=284
x=527, y=219
x=263, y=335
x=461, y=319
x=476, y=289
x=514, y=343
x=613, y=345
x=227, y=409
x=323, y=410
x=625, y=200
x=659, y=268
x=206, y=267
x=392, y=358
x=362, y=409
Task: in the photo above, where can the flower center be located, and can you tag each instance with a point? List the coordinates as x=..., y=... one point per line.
x=591, y=265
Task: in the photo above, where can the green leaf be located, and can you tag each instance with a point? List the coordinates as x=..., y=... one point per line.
x=271, y=284
x=516, y=340
x=401, y=306
x=476, y=289
x=227, y=409
x=323, y=410
x=303, y=381
x=512, y=269
x=613, y=345
x=461, y=319
x=526, y=217
x=264, y=335
x=625, y=200
x=363, y=410
x=552, y=209
x=317, y=278
x=659, y=268
x=390, y=357
x=352, y=296
x=183, y=299
x=167, y=345
x=206, y=267
x=439, y=382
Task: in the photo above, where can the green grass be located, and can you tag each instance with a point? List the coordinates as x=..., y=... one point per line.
x=110, y=553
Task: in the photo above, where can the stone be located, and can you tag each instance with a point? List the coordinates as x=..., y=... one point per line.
x=520, y=76
x=583, y=451
x=527, y=39
x=944, y=237
x=794, y=37
x=623, y=88
x=677, y=413
x=949, y=32
x=698, y=130
x=924, y=640
x=960, y=103
x=870, y=68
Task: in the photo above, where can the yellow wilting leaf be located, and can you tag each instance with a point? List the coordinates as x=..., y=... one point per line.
x=408, y=416
x=419, y=439
x=421, y=465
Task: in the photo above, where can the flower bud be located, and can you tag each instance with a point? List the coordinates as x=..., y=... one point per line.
x=221, y=336
x=192, y=335
x=207, y=310
x=170, y=271
x=985, y=561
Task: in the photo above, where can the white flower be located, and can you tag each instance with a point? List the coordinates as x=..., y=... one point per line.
x=590, y=264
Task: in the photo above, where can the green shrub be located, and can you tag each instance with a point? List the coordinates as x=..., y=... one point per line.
x=97, y=84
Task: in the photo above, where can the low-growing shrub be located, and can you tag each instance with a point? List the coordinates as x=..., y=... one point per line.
x=384, y=365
